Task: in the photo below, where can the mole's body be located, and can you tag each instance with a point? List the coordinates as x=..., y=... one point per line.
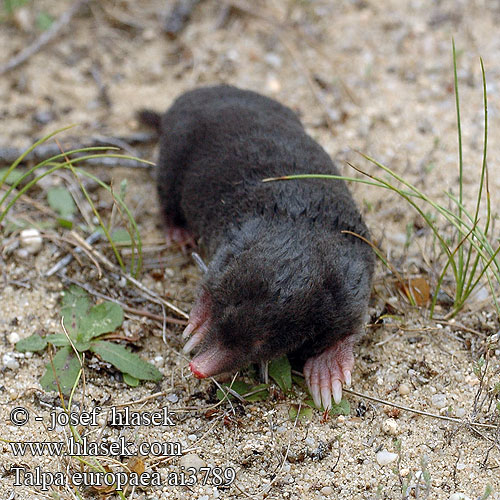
x=282, y=277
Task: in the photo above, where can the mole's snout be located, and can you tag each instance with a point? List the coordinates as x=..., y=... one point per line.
x=196, y=371
x=211, y=361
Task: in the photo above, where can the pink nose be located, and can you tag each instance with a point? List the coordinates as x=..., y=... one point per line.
x=195, y=371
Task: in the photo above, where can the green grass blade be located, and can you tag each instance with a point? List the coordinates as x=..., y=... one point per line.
x=30, y=149
x=460, y=168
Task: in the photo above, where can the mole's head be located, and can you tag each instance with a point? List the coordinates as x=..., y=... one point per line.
x=256, y=305
x=235, y=318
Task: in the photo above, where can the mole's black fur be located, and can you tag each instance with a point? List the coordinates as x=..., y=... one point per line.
x=282, y=277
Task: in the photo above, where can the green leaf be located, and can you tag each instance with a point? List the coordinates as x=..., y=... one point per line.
x=33, y=343
x=261, y=393
x=104, y=318
x=81, y=343
x=123, y=188
x=44, y=21
x=121, y=236
x=129, y=380
x=60, y=200
x=343, y=408
x=57, y=339
x=67, y=368
x=237, y=386
x=11, y=5
x=75, y=304
x=281, y=372
x=65, y=223
x=125, y=361
x=14, y=176
x=305, y=412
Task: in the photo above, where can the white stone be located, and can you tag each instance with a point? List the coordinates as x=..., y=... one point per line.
x=439, y=401
x=391, y=427
x=326, y=490
x=192, y=460
x=309, y=441
x=385, y=457
x=31, y=240
x=404, y=389
x=192, y=437
x=273, y=84
x=459, y=496
x=273, y=59
x=13, y=337
x=22, y=253
x=173, y=398
x=9, y=361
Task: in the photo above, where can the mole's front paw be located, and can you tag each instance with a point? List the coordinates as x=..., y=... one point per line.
x=326, y=372
x=180, y=236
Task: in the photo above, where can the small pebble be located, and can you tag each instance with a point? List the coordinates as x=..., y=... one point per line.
x=404, y=472
x=309, y=441
x=148, y=35
x=459, y=496
x=13, y=337
x=23, y=18
x=273, y=84
x=43, y=117
x=192, y=437
x=385, y=457
x=326, y=490
x=172, y=398
x=391, y=427
x=439, y=401
x=273, y=59
x=9, y=361
x=22, y=253
x=31, y=240
x=159, y=361
x=192, y=460
x=404, y=389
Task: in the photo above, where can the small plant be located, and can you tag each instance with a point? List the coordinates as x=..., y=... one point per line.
x=14, y=183
x=86, y=329
x=280, y=371
x=469, y=253
x=10, y=6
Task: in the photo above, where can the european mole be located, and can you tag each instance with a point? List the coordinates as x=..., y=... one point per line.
x=282, y=277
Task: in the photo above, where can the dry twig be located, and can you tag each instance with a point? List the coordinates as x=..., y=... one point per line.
x=45, y=38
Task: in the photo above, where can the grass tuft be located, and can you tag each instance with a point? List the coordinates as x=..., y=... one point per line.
x=469, y=255
x=12, y=191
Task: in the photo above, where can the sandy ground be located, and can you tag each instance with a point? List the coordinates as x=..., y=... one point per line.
x=374, y=76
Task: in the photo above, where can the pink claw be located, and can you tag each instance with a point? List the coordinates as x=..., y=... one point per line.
x=326, y=372
x=199, y=322
x=180, y=236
